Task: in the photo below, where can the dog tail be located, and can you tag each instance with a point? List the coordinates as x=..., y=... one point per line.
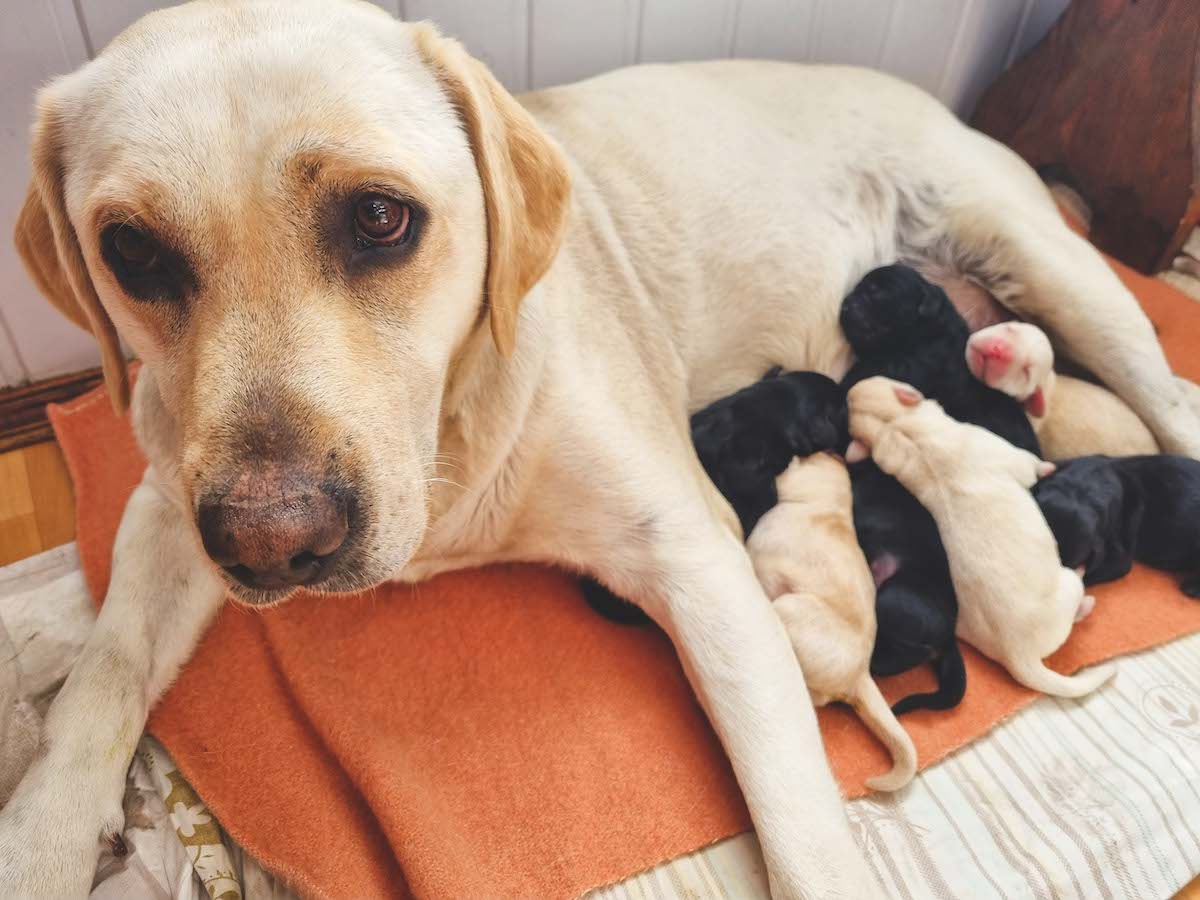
x=1034, y=674
x=868, y=702
x=951, y=675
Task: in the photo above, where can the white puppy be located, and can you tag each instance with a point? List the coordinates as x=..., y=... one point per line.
x=1072, y=417
x=807, y=557
x=1016, y=602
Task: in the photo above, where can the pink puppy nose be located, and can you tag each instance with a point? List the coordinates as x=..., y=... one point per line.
x=991, y=357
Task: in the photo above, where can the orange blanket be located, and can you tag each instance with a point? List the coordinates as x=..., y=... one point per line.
x=485, y=734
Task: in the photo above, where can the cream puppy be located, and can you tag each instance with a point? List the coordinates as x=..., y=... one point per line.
x=1017, y=603
x=808, y=560
x=1072, y=417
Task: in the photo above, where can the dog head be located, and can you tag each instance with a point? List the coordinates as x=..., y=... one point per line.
x=1084, y=505
x=746, y=439
x=301, y=216
x=892, y=308
x=818, y=479
x=874, y=404
x=1015, y=358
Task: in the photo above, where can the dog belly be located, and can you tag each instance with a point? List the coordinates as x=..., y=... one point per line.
x=736, y=203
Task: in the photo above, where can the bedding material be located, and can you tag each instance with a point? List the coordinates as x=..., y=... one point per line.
x=1119, y=776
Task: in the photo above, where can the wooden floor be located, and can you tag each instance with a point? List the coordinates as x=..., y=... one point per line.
x=37, y=506
x=37, y=512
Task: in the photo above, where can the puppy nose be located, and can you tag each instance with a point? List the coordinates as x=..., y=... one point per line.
x=273, y=530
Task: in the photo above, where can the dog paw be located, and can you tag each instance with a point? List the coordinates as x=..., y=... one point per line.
x=1086, y=605
x=50, y=838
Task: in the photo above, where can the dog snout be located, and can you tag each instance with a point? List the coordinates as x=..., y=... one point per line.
x=274, y=528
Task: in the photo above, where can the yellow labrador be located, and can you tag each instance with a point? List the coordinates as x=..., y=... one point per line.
x=396, y=322
x=1016, y=602
x=807, y=558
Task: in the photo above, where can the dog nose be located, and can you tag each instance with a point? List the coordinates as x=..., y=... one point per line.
x=272, y=530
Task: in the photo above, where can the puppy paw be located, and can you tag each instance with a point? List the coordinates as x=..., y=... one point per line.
x=857, y=451
x=1086, y=605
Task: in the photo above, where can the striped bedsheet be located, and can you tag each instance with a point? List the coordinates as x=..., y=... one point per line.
x=1097, y=798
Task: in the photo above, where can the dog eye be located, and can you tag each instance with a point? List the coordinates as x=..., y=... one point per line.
x=147, y=268
x=137, y=250
x=381, y=221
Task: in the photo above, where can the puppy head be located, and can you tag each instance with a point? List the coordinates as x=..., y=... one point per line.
x=1076, y=521
x=814, y=414
x=1015, y=358
x=874, y=404
x=819, y=478
x=301, y=262
x=894, y=307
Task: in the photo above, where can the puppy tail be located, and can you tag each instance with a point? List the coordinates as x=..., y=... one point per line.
x=868, y=702
x=952, y=684
x=1035, y=675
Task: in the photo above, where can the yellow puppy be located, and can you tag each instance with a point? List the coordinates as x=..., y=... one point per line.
x=1016, y=603
x=807, y=557
x=1072, y=417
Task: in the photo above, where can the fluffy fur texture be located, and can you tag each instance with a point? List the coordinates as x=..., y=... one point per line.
x=915, y=605
x=904, y=327
x=513, y=384
x=1072, y=417
x=806, y=557
x=1107, y=512
x=1017, y=603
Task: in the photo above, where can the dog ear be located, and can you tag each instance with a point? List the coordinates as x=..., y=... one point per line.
x=526, y=186
x=908, y=395
x=49, y=247
x=1035, y=405
x=857, y=451
x=1045, y=468
x=931, y=299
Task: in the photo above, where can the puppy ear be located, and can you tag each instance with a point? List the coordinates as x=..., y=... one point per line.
x=49, y=247
x=1035, y=405
x=857, y=451
x=931, y=299
x=908, y=395
x=1045, y=468
x=526, y=187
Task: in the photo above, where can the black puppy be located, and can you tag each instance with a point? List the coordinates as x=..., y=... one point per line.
x=747, y=439
x=744, y=441
x=914, y=602
x=1106, y=512
x=904, y=327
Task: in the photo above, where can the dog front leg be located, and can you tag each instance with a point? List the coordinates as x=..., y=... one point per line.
x=703, y=591
x=161, y=598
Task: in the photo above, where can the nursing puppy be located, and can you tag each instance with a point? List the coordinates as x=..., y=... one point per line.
x=744, y=441
x=806, y=557
x=1017, y=603
x=1108, y=512
x=915, y=607
x=901, y=326
x=1072, y=417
